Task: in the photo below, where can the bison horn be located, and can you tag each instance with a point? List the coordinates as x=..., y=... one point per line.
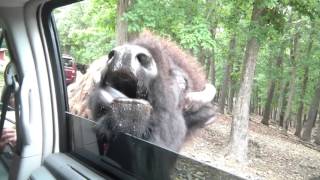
x=204, y=96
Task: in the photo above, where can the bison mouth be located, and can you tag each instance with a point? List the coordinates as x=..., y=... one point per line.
x=128, y=84
x=125, y=109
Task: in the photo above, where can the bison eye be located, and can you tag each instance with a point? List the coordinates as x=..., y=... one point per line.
x=144, y=60
x=111, y=55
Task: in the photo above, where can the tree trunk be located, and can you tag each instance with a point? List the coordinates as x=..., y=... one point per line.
x=213, y=63
x=231, y=96
x=304, y=85
x=293, y=57
x=213, y=71
x=274, y=115
x=240, y=121
x=252, y=104
x=267, y=106
x=257, y=107
x=312, y=115
x=317, y=137
x=282, y=102
x=227, y=74
x=202, y=57
x=239, y=128
x=208, y=66
x=234, y=80
x=290, y=99
x=301, y=104
x=304, y=118
x=122, y=25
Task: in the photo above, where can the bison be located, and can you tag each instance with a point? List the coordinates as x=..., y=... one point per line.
x=149, y=88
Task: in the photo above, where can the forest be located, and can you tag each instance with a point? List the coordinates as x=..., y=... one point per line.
x=263, y=56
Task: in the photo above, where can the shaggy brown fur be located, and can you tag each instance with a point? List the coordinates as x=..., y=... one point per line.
x=173, y=116
x=78, y=92
x=182, y=59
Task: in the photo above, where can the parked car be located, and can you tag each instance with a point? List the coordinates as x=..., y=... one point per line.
x=70, y=68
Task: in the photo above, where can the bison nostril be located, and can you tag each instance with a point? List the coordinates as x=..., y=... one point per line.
x=144, y=60
x=111, y=55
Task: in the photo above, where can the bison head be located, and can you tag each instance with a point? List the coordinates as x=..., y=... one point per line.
x=149, y=88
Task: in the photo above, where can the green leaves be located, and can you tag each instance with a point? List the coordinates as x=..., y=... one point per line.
x=86, y=29
x=204, y=28
x=184, y=21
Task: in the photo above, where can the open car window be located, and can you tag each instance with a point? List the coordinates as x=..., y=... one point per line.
x=126, y=156
x=262, y=58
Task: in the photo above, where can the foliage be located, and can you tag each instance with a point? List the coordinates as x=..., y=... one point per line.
x=204, y=28
x=86, y=29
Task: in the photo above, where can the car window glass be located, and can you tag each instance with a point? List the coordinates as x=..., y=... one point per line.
x=136, y=157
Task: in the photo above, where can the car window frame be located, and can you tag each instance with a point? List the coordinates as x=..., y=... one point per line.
x=64, y=118
x=65, y=126
x=65, y=134
x=52, y=40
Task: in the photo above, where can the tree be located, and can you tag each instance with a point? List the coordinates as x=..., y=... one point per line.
x=227, y=74
x=312, y=115
x=305, y=80
x=122, y=24
x=85, y=30
x=240, y=120
x=234, y=78
x=317, y=138
x=207, y=29
x=212, y=70
x=212, y=60
x=282, y=101
x=268, y=103
x=301, y=103
x=267, y=107
x=304, y=84
x=293, y=71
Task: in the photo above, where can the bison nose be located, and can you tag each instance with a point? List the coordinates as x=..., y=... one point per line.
x=133, y=59
x=120, y=60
